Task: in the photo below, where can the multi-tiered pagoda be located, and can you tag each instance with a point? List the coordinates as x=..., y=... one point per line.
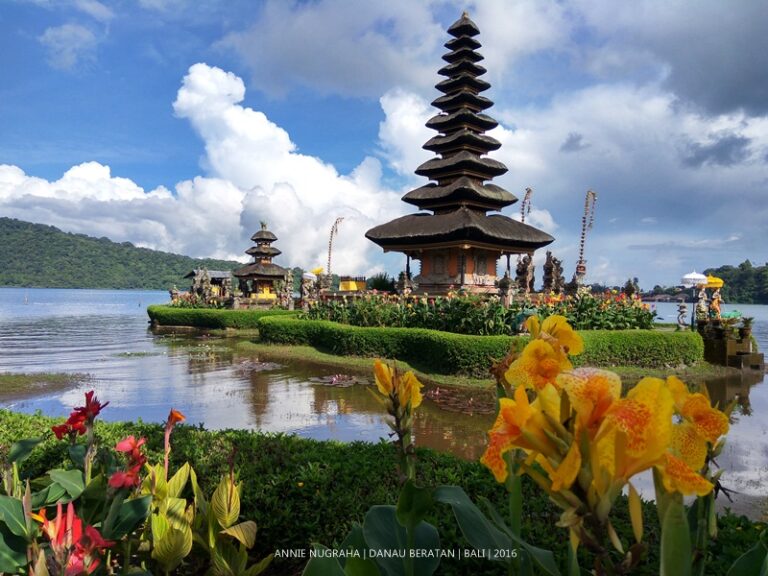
x=258, y=280
x=459, y=244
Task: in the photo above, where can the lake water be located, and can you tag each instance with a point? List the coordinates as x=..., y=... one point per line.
x=106, y=335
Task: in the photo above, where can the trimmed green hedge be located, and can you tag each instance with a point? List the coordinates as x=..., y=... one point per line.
x=642, y=348
x=210, y=317
x=303, y=491
x=448, y=353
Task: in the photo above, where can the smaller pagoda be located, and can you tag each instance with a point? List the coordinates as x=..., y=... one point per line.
x=258, y=280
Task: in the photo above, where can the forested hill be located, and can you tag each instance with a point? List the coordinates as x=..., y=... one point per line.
x=745, y=283
x=35, y=255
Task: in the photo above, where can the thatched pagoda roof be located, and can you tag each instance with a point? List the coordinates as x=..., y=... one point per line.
x=257, y=269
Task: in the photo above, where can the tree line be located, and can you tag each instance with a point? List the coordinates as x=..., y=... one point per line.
x=36, y=255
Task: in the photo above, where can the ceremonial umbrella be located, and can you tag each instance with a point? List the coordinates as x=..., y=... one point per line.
x=714, y=282
x=693, y=279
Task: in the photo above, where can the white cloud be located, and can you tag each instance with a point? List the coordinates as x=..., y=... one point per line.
x=254, y=173
x=95, y=10
x=68, y=45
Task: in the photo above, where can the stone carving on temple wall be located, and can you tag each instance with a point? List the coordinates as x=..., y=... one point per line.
x=558, y=277
x=549, y=277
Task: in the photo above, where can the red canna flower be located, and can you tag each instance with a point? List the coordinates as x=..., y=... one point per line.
x=75, y=548
x=127, y=479
x=174, y=416
x=92, y=407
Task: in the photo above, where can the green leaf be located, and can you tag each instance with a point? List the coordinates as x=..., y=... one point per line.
x=71, y=480
x=753, y=561
x=382, y=532
x=483, y=534
x=127, y=517
x=323, y=565
x=544, y=558
x=201, y=504
x=39, y=566
x=358, y=566
x=413, y=505
x=179, y=480
x=245, y=533
x=259, y=567
x=174, y=546
x=77, y=455
x=22, y=449
x=12, y=513
x=175, y=512
x=225, y=503
x=13, y=552
x=675, y=541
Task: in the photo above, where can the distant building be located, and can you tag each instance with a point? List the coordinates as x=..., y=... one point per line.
x=458, y=245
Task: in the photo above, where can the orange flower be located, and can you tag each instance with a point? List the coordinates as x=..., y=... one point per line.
x=679, y=477
x=696, y=408
x=174, y=417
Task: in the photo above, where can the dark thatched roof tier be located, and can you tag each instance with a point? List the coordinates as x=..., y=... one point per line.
x=212, y=274
x=462, y=118
x=263, y=250
x=462, y=82
x=459, y=227
x=462, y=66
x=462, y=99
x=464, y=53
x=462, y=140
x=463, y=163
x=463, y=27
x=462, y=42
x=257, y=269
x=263, y=235
x=461, y=191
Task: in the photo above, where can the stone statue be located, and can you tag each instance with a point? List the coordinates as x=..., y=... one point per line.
x=174, y=292
x=682, y=315
x=525, y=277
x=714, y=306
x=324, y=282
x=505, y=289
x=558, y=278
x=702, y=308
x=549, y=277
x=286, y=294
x=404, y=285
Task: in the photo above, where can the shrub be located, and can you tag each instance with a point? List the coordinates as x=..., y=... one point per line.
x=209, y=317
x=302, y=491
x=477, y=315
x=448, y=353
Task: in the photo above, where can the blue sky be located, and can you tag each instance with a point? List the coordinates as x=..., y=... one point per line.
x=180, y=124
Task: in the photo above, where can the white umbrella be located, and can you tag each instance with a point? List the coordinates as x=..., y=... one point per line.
x=693, y=279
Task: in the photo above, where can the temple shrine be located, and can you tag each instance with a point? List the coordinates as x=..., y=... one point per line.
x=458, y=245
x=258, y=281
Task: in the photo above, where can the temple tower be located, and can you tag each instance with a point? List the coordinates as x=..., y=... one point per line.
x=258, y=280
x=458, y=244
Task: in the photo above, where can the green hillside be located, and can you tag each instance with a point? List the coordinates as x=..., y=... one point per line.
x=35, y=255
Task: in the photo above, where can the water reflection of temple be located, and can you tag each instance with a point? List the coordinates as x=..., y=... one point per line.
x=736, y=387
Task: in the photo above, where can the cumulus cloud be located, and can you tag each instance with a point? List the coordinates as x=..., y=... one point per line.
x=68, y=45
x=95, y=10
x=573, y=143
x=339, y=46
x=253, y=173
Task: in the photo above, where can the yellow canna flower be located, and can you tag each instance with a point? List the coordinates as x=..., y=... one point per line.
x=557, y=328
x=644, y=417
x=409, y=389
x=679, y=477
x=519, y=424
x=538, y=365
x=696, y=408
x=689, y=445
x=383, y=374
x=566, y=473
x=591, y=392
